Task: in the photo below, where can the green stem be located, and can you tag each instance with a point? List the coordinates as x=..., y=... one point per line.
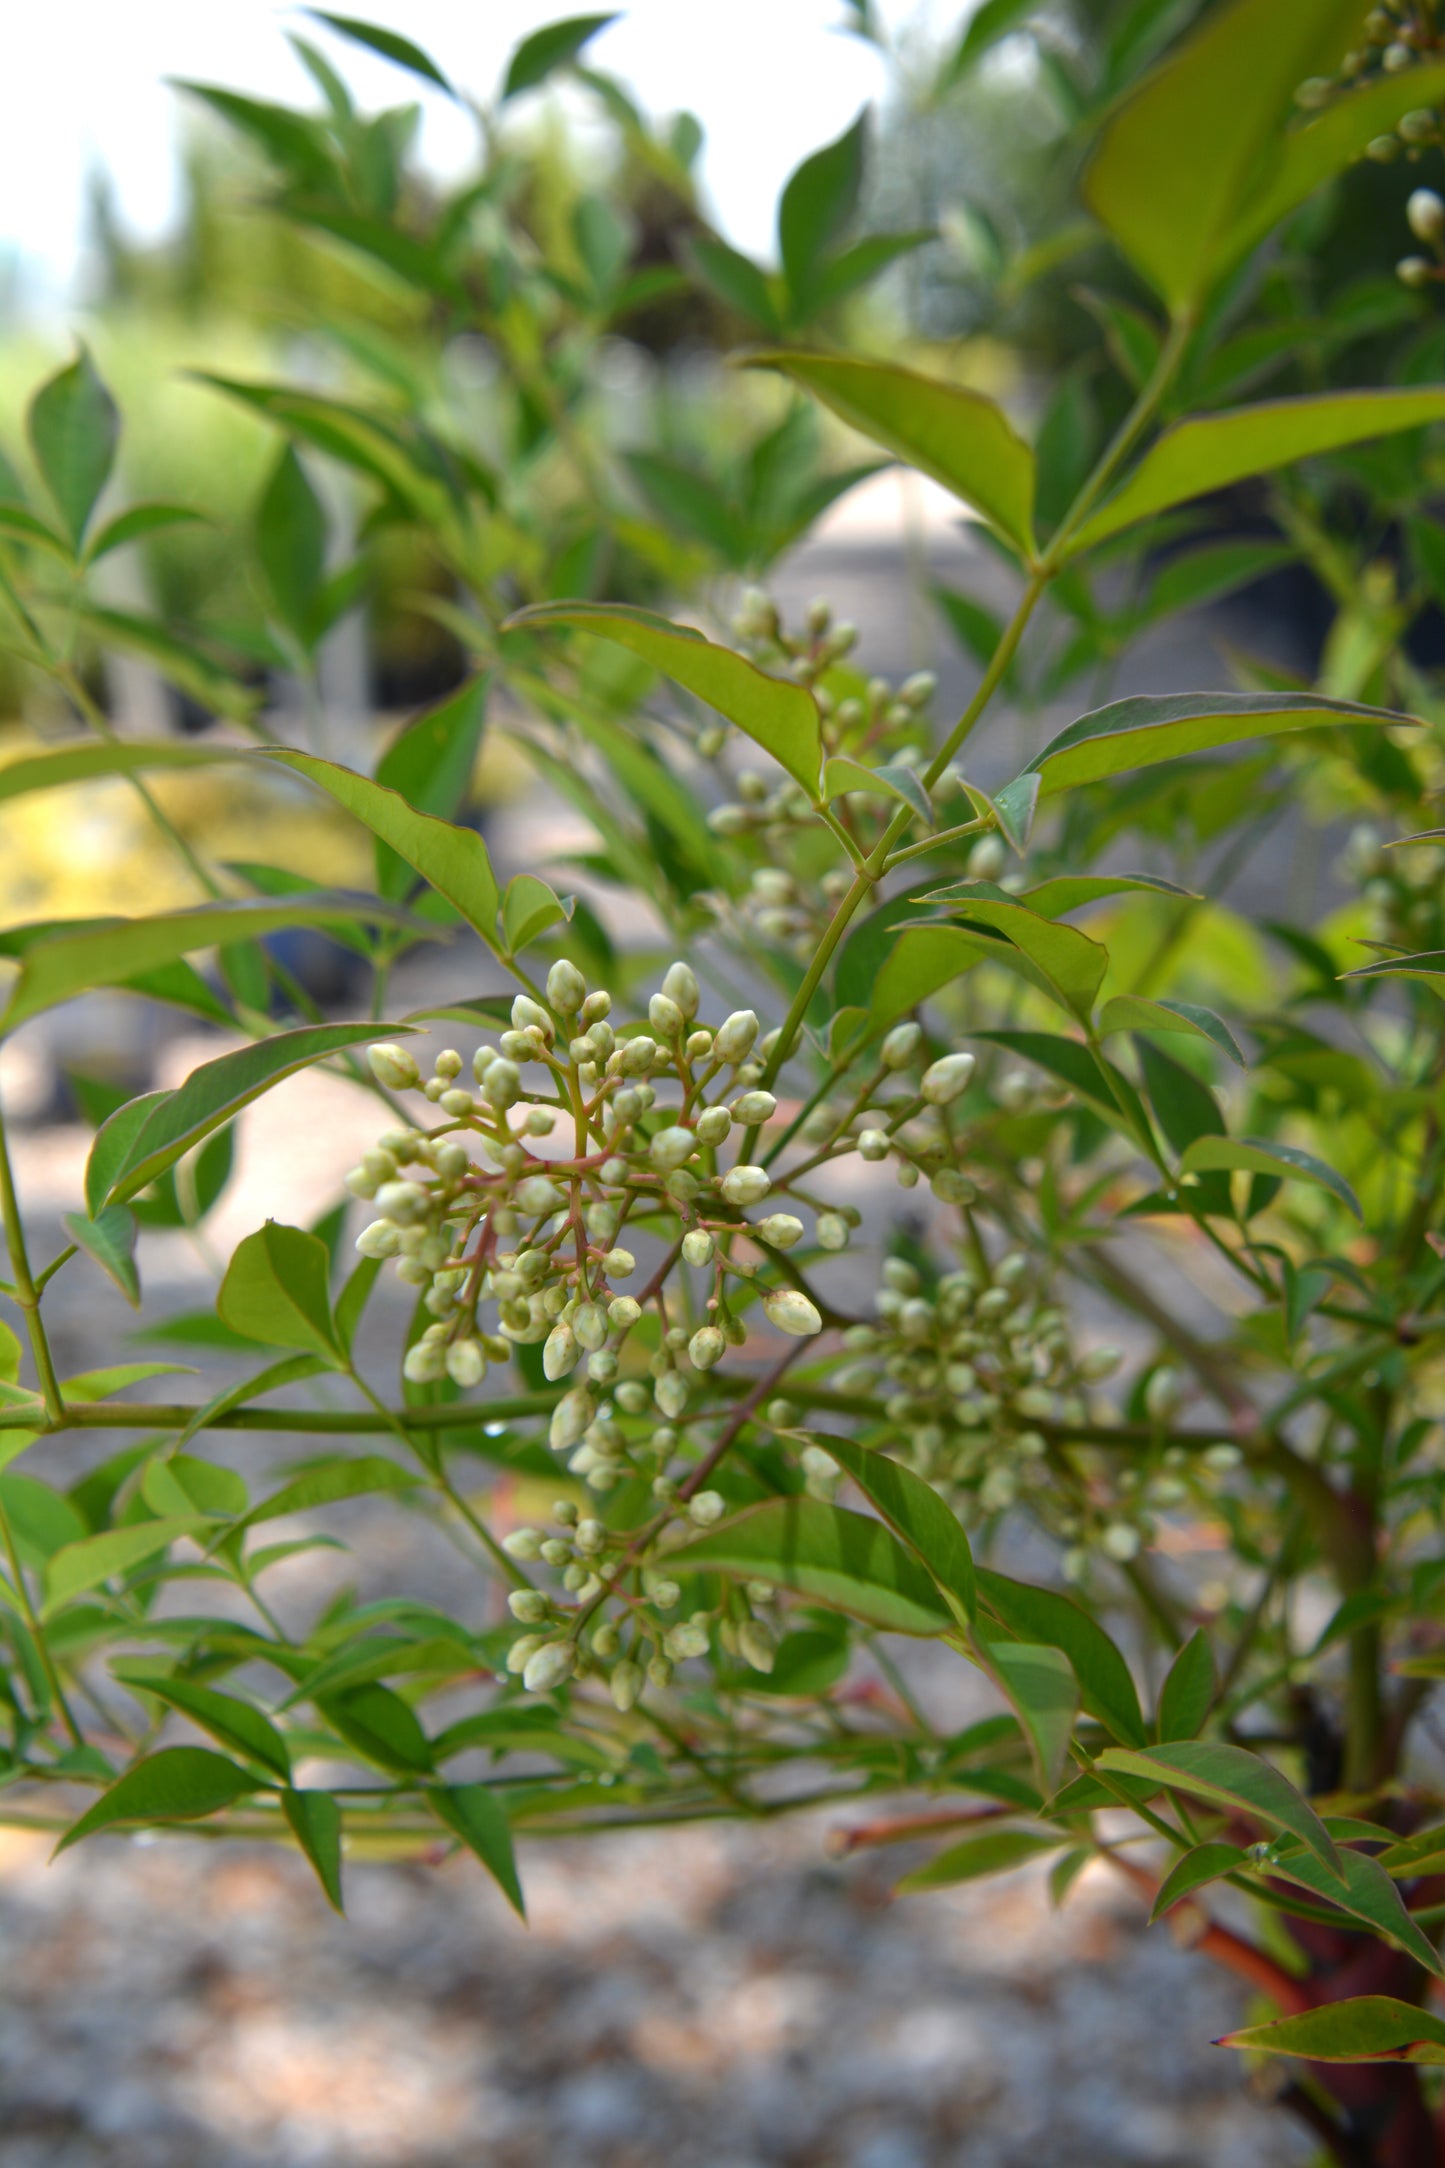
x=27, y=1295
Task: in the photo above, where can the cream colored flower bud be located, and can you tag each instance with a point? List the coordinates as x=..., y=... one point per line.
x=502, y=1083
x=670, y=1393
x=1100, y=1362
x=452, y=1161
x=698, y=1246
x=523, y=1649
x=380, y=1239
x=559, y=1357
x=746, y=1185
x=550, y=1667
x=754, y=1108
x=706, y=1347
x=659, y=1672
x=1121, y=1542
x=623, y=1312
x=755, y=1645
x=639, y=1055
x=457, y=1101
x=713, y=1125
x=987, y=859
x=792, y=1312
x=529, y=1015
x=1162, y=1394
x=687, y=1638
x=670, y=1147
x=873, y=1143
x=734, y=1040
x=394, y=1067
x=528, y=1606
x=830, y=1231
x=466, y=1364
x=566, y=987
x=570, y=1418
x=665, y=1016
x=522, y=1543
x=901, y=1045
x=619, y=1264
x=679, y=983
x=625, y=1684
x=425, y=1363
x=706, y=1508
x=538, y=1196
x=780, y=1229
x=950, y=1186
x=404, y=1203
x=590, y=1326
x=944, y=1080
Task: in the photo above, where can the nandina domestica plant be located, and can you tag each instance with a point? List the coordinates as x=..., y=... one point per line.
x=641, y=1209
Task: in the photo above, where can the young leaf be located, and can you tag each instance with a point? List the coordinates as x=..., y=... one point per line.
x=77, y=1568
x=110, y=1239
x=326, y=1485
x=1140, y=732
x=554, y=46
x=1071, y=963
x=779, y=716
x=1187, y=1694
x=840, y=1559
x=1232, y=1777
x=1266, y=1155
x=1212, y=451
x=815, y=207
x=1206, y=1863
x=277, y=1290
x=916, y=1513
x=529, y=908
x=735, y=280
x=842, y=774
x=381, y=1727
x=430, y=762
x=135, y=523
x=1184, y=1108
x=477, y=1816
x=960, y=438
x=74, y=428
x=180, y=1784
x=391, y=46
x=315, y=1821
x=1043, y=1615
x=237, y=1725
x=1040, y=1686
x=1130, y=1012
x=454, y=860
x=992, y=1851
x=1364, y=2029
x=1067, y=892
x=988, y=23
x=1369, y=1896
x=291, y=545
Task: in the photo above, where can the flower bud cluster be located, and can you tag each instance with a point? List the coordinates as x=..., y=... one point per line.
x=1396, y=36
x=904, y=1121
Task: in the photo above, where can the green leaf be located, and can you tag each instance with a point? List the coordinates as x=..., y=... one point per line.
x=315, y=1821
x=381, y=1727
x=1185, y=1109
x=180, y=1784
x=1212, y=451
x=555, y=46
x=529, y=908
x=1095, y=1080
x=736, y=280
x=1364, y=2029
x=23, y=526
x=453, y=860
x=816, y=205
x=992, y=1851
x=391, y=46
x=960, y=438
x=916, y=1513
x=180, y=661
x=107, y=952
x=1205, y=1863
x=1142, y=731
x=96, y=757
x=1106, y=1688
x=1071, y=965
x=1370, y=1896
x=1232, y=1777
x=293, y=142
x=840, y=1559
x=235, y=1723
x=430, y=762
x=1266, y=1155
x=135, y=523
x=291, y=545
x=277, y=1289
x=864, y=261
x=988, y=23
x=1067, y=892
x=1428, y=967
x=74, y=427
x=893, y=780
x=110, y=1239
x=1130, y=1012
x=1039, y=1684
x=77, y=1568
x=779, y=716
x=1187, y=1694
x=129, y=1154
x=1180, y=158
x=477, y=1816
x=362, y=1477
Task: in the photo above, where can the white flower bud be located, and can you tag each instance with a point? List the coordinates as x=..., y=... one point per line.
x=466, y=1364
x=1162, y=1394
x=670, y=1147
x=944, y=1080
x=566, y=987
x=523, y=1649
x=549, y=1667
x=754, y=1108
x=659, y=1672
x=613, y=1173
x=706, y=1508
x=780, y=1229
x=873, y=1143
x=501, y=1084
x=1120, y=1541
x=950, y=1186
x=734, y=1040
x=538, y=1196
x=590, y=1326
x=380, y=1239
x=713, y=1125
x=665, y=1016
x=425, y=1363
x=522, y=1543
x=831, y=1231
x=987, y=859
x=1222, y=1457
x=901, y=1045
x=792, y=1312
x=394, y=1067
x=699, y=1044
x=639, y=1055
x=457, y=1101
x=670, y=1393
x=570, y=1418
x=625, y=1684
x=559, y=1356
x=707, y=1346
x=755, y=1645
x=687, y=1638
x=698, y=1246
x=1426, y=213
x=529, y=1015
x=1100, y=1362
x=680, y=986
x=746, y=1185
x=623, y=1312
x=528, y=1606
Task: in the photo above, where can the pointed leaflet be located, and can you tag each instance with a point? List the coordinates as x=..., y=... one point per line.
x=63, y=963
x=76, y=1568
x=816, y=204
x=779, y=716
x=1187, y=1694
x=960, y=438
x=914, y=1511
x=1039, y=1683
x=1369, y=1895
x=1234, y=1778
x=894, y=780
x=1206, y=1863
x=125, y=1159
x=1211, y=451
x=388, y=43
x=1179, y=159
x=315, y=1820
x=180, y=1784
x=95, y=757
x=1130, y=1012
x=549, y=48
x=1042, y=1614
x=1091, y=1077
x=332, y=1481
x=430, y=763
x=276, y=1290
x=74, y=428
x=1366, y=2029
x=1140, y=732
x=110, y=1239
x=235, y=1723
x=1266, y=1155
x=477, y=1816
x=992, y=1851
x=840, y=1559
x=1069, y=960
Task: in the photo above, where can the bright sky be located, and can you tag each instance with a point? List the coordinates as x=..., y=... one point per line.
x=769, y=79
